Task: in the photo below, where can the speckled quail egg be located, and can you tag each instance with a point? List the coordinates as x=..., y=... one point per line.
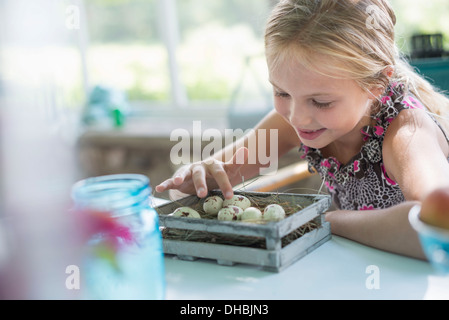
x=273, y=212
x=213, y=204
x=186, y=212
x=229, y=213
x=251, y=213
x=237, y=200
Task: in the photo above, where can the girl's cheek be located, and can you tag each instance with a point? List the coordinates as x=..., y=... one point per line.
x=282, y=108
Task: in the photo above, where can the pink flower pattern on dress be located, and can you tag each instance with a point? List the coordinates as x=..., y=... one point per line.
x=385, y=99
x=379, y=131
x=326, y=163
x=306, y=150
x=356, y=166
x=329, y=186
x=366, y=135
x=412, y=103
x=391, y=182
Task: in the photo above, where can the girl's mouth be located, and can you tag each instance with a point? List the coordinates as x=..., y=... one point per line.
x=310, y=134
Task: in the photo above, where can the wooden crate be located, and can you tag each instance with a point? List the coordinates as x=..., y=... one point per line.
x=274, y=256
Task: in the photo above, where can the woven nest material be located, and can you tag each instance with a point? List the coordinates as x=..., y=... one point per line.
x=239, y=240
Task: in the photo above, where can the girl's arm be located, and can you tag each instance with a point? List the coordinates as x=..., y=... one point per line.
x=415, y=155
x=386, y=229
x=287, y=139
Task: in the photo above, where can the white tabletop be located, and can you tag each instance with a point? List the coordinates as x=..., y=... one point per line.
x=338, y=269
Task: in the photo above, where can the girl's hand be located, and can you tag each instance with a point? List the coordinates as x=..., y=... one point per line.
x=199, y=177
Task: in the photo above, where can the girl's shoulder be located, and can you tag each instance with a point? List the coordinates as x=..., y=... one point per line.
x=409, y=123
x=396, y=99
x=401, y=109
x=411, y=136
x=404, y=115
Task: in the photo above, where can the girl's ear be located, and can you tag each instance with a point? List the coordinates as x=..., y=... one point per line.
x=389, y=71
x=378, y=91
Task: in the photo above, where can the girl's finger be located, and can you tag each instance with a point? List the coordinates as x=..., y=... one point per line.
x=222, y=179
x=223, y=172
x=177, y=180
x=165, y=185
x=181, y=175
x=199, y=180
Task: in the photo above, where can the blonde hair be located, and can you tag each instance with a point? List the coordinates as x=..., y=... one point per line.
x=357, y=34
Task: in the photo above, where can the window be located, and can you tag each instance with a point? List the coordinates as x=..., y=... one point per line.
x=417, y=16
x=180, y=54
x=40, y=53
x=125, y=50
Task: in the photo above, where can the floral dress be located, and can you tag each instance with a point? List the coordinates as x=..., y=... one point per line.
x=362, y=184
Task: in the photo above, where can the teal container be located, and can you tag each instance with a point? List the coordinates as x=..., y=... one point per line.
x=132, y=268
x=434, y=241
x=436, y=70
x=106, y=106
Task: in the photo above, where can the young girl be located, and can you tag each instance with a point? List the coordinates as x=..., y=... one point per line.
x=371, y=127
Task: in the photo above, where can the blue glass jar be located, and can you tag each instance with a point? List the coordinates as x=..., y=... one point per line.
x=126, y=256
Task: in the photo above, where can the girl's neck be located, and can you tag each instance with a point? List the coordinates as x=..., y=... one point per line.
x=348, y=146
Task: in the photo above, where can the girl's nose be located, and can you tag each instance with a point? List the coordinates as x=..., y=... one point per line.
x=300, y=115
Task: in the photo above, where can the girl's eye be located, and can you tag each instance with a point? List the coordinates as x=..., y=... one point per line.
x=321, y=104
x=281, y=94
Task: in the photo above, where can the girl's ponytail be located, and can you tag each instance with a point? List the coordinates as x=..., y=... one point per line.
x=433, y=98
